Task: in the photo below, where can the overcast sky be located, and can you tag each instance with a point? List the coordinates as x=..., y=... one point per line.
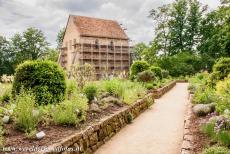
x=51, y=15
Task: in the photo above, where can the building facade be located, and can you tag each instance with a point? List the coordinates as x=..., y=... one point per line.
x=99, y=42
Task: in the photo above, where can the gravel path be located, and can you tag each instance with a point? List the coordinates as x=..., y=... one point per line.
x=158, y=130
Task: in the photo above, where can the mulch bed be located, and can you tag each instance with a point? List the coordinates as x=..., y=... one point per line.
x=54, y=133
x=200, y=140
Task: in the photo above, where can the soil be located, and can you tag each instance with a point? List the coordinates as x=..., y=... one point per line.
x=54, y=133
x=200, y=140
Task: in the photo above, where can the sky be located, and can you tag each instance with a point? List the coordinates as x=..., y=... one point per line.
x=51, y=15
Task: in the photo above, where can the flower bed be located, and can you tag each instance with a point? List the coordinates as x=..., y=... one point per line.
x=92, y=137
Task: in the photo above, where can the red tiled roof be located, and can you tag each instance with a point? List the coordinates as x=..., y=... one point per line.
x=95, y=27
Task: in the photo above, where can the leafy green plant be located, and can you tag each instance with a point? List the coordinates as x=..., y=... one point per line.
x=221, y=69
x=24, y=118
x=90, y=91
x=44, y=78
x=149, y=86
x=1, y=135
x=216, y=150
x=204, y=95
x=157, y=71
x=114, y=87
x=145, y=76
x=165, y=73
x=133, y=92
x=70, y=112
x=137, y=67
x=65, y=113
x=6, y=96
x=71, y=88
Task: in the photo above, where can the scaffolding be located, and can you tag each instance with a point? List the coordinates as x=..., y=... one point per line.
x=106, y=59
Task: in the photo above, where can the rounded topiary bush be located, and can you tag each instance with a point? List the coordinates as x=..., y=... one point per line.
x=137, y=67
x=157, y=71
x=44, y=78
x=145, y=76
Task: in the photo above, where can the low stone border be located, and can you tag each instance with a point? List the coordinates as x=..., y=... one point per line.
x=161, y=91
x=91, y=138
x=186, y=147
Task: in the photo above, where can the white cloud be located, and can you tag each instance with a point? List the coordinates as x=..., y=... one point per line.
x=51, y=15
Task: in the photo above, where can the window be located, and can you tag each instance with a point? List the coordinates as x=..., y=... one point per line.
x=111, y=45
x=96, y=44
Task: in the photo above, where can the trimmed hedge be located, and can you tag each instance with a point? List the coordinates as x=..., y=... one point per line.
x=138, y=67
x=44, y=78
x=145, y=76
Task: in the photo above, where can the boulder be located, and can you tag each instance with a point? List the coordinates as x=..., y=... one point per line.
x=6, y=119
x=94, y=107
x=203, y=109
x=111, y=100
x=40, y=135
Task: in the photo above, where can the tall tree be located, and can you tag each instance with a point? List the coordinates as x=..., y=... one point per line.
x=60, y=37
x=215, y=41
x=178, y=26
x=161, y=17
x=193, y=25
x=31, y=45
x=6, y=59
x=138, y=51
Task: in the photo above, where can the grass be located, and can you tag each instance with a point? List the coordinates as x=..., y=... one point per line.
x=5, y=89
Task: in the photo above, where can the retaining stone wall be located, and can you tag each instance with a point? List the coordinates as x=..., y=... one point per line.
x=91, y=138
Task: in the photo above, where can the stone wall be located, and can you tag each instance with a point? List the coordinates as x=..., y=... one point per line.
x=91, y=138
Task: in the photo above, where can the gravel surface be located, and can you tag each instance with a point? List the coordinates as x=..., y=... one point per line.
x=158, y=130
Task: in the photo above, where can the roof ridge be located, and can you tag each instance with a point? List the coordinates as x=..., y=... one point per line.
x=98, y=18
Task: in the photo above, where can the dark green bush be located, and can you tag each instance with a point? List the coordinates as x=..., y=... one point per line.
x=221, y=69
x=157, y=71
x=165, y=73
x=145, y=76
x=90, y=91
x=137, y=67
x=45, y=79
x=181, y=64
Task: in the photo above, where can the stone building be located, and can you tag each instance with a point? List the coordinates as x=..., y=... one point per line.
x=99, y=42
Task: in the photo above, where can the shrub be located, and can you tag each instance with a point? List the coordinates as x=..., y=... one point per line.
x=222, y=90
x=114, y=87
x=149, y=86
x=65, y=113
x=145, y=76
x=25, y=105
x=165, y=73
x=71, y=88
x=82, y=74
x=90, y=91
x=44, y=78
x=157, y=71
x=216, y=150
x=6, y=96
x=204, y=95
x=133, y=91
x=218, y=131
x=70, y=112
x=137, y=67
x=181, y=64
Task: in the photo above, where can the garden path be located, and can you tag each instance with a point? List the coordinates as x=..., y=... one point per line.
x=158, y=130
